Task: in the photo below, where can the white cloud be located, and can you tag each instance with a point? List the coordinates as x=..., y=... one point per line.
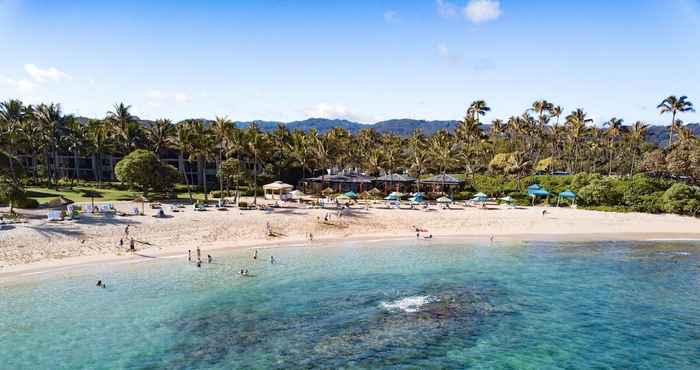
x=391, y=16
x=448, y=56
x=446, y=9
x=42, y=75
x=182, y=98
x=476, y=11
x=156, y=94
x=22, y=85
x=334, y=111
x=480, y=11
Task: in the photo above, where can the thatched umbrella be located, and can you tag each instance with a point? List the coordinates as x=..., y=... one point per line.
x=61, y=201
x=143, y=200
x=375, y=192
x=365, y=195
x=92, y=194
x=327, y=191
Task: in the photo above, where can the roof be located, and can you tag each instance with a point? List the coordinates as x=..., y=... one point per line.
x=395, y=177
x=277, y=185
x=341, y=178
x=442, y=179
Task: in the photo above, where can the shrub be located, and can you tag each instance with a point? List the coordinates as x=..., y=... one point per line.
x=677, y=198
x=26, y=203
x=600, y=192
x=143, y=170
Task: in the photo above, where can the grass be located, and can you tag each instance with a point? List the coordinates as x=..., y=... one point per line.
x=111, y=194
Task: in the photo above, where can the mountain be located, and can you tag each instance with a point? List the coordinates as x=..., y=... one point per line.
x=657, y=134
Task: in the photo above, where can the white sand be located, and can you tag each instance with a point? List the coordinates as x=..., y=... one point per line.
x=39, y=243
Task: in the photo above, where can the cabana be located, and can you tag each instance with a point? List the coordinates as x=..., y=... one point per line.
x=567, y=194
x=395, y=181
x=442, y=182
x=340, y=183
x=277, y=190
x=536, y=191
x=143, y=200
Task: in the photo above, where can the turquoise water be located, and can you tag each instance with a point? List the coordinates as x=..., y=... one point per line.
x=613, y=305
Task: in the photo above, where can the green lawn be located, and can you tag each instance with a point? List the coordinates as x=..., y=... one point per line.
x=43, y=195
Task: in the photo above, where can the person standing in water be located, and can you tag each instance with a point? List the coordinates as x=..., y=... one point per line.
x=209, y=259
x=272, y=260
x=199, y=253
x=255, y=254
x=189, y=255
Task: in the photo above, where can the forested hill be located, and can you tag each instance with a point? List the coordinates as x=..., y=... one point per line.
x=657, y=134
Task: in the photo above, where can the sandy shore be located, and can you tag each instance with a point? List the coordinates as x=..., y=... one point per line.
x=39, y=244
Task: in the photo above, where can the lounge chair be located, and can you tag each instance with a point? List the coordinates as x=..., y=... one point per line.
x=55, y=216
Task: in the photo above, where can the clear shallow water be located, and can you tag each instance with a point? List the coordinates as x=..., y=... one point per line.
x=381, y=305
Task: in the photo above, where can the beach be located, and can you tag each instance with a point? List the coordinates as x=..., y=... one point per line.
x=39, y=243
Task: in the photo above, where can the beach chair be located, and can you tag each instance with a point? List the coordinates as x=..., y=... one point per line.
x=55, y=216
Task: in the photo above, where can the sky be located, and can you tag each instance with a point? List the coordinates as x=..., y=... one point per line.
x=360, y=60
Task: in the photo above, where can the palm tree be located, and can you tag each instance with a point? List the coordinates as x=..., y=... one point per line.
x=477, y=108
x=12, y=114
x=614, y=130
x=636, y=136
x=542, y=107
x=256, y=146
x=222, y=129
x=51, y=119
x=556, y=111
x=419, y=155
x=299, y=149
x=442, y=150
x=182, y=141
x=124, y=125
x=202, y=150
x=159, y=134
x=75, y=139
x=98, y=137
x=674, y=105
x=576, y=123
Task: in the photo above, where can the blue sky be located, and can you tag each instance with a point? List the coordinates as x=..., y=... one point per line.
x=362, y=60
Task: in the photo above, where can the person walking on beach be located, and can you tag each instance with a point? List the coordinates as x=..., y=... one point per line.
x=121, y=243
x=132, y=245
x=199, y=254
x=126, y=230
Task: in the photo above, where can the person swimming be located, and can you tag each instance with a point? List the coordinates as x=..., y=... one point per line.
x=272, y=260
x=255, y=254
x=189, y=255
x=99, y=283
x=199, y=263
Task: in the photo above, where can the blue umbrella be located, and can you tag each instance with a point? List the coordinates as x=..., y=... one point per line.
x=351, y=194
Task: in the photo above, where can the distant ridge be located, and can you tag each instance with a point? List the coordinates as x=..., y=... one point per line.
x=656, y=134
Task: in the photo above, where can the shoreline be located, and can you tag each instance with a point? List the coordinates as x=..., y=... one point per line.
x=17, y=272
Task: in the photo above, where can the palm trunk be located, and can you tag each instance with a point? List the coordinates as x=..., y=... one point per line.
x=255, y=177
x=203, y=166
x=76, y=158
x=181, y=163
x=221, y=178
x=670, y=134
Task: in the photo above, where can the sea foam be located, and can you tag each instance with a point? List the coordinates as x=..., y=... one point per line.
x=408, y=304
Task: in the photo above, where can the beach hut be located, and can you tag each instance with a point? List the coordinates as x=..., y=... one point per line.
x=277, y=190
x=442, y=182
x=395, y=181
x=567, y=194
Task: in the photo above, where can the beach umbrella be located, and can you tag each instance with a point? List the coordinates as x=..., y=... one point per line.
x=365, y=195
x=418, y=194
x=444, y=200
x=392, y=196
x=507, y=199
x=327, y=191
x=342, y=197
x=480, y=195
x=396, y=194
x=417, y=199
x=143, y=200
x=92, y=194
x=567, y=194
x=375, y=192
x=61, y=201
x=351, y=194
